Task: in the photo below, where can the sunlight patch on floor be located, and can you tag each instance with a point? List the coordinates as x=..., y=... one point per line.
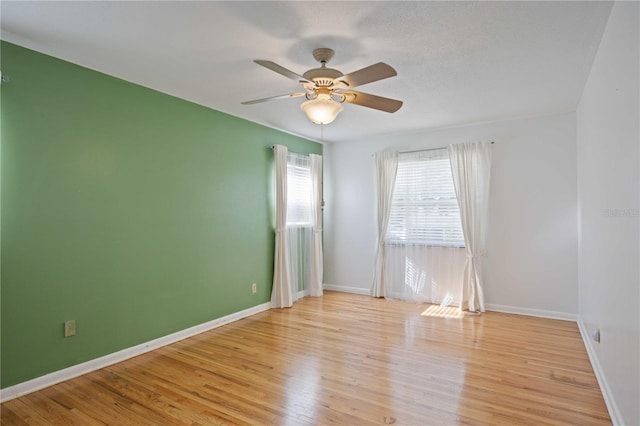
x=442, y=312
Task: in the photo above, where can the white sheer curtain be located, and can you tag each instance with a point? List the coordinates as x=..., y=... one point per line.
x=281, y=292
x=471, y=169
x=316, y=261
x=424, y=247
x=386, y=167
x=299, y=223
x=299, y=253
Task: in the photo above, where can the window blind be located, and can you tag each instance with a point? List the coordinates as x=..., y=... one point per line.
x=299, y=190
x=424, y=209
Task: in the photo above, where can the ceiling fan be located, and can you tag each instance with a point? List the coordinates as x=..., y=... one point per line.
x=326, y=89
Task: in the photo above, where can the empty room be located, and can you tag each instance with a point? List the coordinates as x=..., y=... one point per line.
x=310, y=213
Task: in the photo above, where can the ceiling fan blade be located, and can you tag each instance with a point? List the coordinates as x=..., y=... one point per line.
x=372, y=101
x=273, y=98
x=281, y=70
x=369, y=74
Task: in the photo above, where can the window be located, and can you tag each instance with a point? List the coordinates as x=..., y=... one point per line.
x=424, y=209
x=299, y=190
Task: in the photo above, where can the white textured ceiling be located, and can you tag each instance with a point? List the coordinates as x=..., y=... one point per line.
x=457, y=62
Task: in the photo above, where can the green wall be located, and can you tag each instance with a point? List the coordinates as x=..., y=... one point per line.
x=133, y=212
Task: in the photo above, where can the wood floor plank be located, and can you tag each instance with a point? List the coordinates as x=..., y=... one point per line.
x=341, y=359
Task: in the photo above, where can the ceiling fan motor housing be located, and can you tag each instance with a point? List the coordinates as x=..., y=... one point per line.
x=322, y=76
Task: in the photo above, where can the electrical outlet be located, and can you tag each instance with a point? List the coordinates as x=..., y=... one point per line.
x=254, y=288
x=69, y=328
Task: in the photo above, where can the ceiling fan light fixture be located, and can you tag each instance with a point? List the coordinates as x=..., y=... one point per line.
x=321, y=110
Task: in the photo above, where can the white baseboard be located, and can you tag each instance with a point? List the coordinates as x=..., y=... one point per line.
x=614, y=412
x=490, y=307
x=532, y=312
x=50, y=379
x=345, y=289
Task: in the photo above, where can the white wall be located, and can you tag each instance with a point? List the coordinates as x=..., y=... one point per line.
x=608, y=181
x=532, y=261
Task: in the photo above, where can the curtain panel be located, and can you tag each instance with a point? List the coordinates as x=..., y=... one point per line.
x=281, y=292
x=471, y=170
x=316, y=259
x=386, y=168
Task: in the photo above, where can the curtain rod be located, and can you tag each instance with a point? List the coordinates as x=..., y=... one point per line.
x=271, y=147
x=423, y=150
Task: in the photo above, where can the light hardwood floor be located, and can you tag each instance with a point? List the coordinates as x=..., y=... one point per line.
x=342, y=359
